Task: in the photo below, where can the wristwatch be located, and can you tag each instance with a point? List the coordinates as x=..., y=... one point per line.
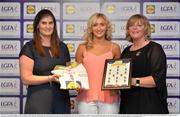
x=137, y=82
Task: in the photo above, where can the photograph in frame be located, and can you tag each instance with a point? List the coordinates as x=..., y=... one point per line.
x=117, y=74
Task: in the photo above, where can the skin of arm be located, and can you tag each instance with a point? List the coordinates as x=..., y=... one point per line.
x=116, y=51
x=79, y=53
x=26, y=72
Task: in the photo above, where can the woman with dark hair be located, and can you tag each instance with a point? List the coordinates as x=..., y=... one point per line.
x=37, y=59
x=148, y=94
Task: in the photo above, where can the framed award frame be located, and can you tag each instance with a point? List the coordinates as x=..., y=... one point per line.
x=117, y=74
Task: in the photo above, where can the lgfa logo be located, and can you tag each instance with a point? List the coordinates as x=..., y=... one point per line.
x=166, y=27
x=8, y=104
x=8, y=66
x=172, y=66
x=8, y=47
x=9, y=28
x=6, y=9
x=169, y=47
x=171, y=85
x=168, y=8
x=7, y=84
x=172, y=104
x=49, y=8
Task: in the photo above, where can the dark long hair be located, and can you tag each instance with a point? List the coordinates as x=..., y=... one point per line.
x=54, y=37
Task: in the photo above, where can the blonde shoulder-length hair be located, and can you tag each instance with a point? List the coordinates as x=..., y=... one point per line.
x=142, y=20
x=88, y=35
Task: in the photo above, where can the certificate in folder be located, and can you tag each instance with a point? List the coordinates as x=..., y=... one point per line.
x=117, y=74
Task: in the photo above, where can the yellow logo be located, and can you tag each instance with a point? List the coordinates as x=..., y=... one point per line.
x=113, y=28
x=31, y=9
x=70, y=9
x=73, y=85
x=150, y=9
x=152, y=28
x=70, y=28
x=29, y=28
x=71, y=47
x=111, y=9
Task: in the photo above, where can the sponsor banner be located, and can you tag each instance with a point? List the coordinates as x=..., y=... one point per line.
x=9, y=10
x=24, y=102
x=25, y=89
x=9, y=67
x=123, y=44
x=120, y=10
x=119, y=29
x=28, y=29
x=9, y=86
x=165, y=29
x=161, y=10
x=173, y=68
x=171, y=48
x=9, y=105
x=73, y=105
x=172, y=87
x=79, y=11
x=32, y=8
x=9, y=48
x=72, y=47
x=173, y=105
x=9, y=29
x=74, y=29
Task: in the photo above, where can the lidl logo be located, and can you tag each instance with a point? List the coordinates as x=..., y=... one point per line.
x=70, y=28
x=71, y=47
x=29, y=28
x=150, y=9
x=70, y=9
x=31, y=9
x=152, y=28
x=111, y=9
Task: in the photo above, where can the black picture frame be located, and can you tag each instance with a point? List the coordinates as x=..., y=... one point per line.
x=117, y=74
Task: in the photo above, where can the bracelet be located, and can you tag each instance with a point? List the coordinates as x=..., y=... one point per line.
x=49, y=79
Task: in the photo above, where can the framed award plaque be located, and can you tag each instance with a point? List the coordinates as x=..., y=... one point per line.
x=117, y=74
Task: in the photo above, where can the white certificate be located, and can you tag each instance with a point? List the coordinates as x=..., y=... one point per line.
x=72, y=78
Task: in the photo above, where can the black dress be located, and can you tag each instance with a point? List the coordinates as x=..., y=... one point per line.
x=149, y=60
x=46, y=98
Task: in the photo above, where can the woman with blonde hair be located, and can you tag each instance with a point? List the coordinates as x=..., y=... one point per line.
x=92, y=54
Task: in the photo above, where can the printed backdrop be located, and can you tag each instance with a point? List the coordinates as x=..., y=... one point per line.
x=16, y=17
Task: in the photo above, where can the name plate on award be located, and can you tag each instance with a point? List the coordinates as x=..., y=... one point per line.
x=117, y=74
